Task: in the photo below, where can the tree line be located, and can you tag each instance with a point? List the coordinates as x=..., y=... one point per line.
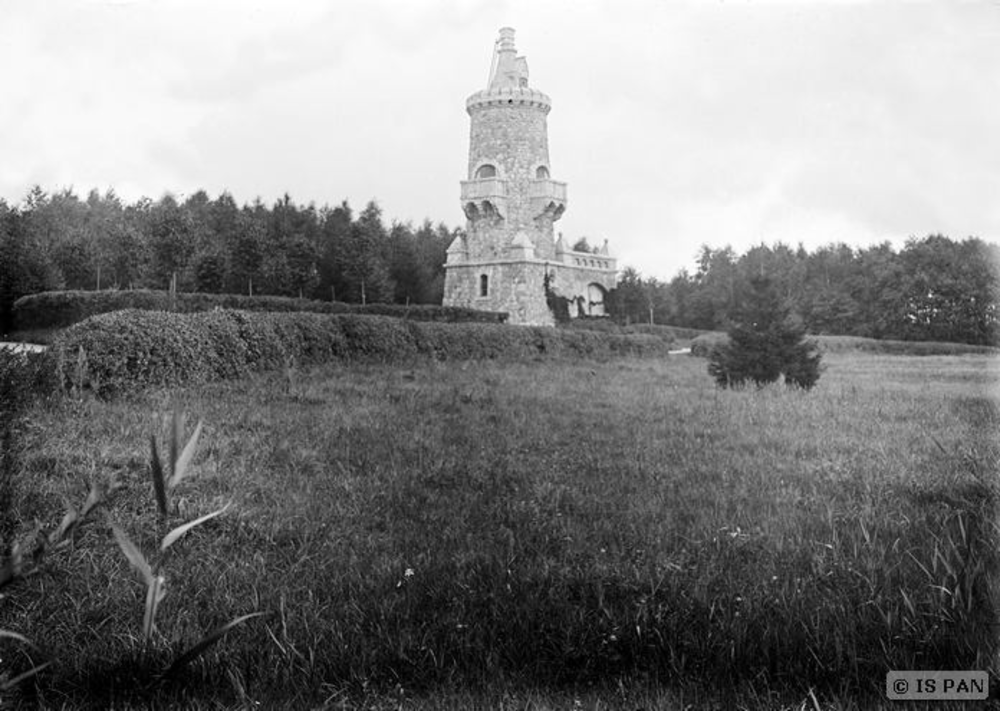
x=934, y=289
x=60, y=241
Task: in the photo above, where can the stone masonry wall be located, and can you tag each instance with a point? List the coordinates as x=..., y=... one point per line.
x=518, y=288
x=514, y=138
x=573, y=283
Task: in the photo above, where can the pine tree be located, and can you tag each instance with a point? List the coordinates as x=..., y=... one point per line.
x=764, y=344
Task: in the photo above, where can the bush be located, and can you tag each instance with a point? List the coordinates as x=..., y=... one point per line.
x=764, y=344
x=592, y=323
x=131, y=349
x=59, y=309
x=706, y=343
x=474, y=341
x=377, y=338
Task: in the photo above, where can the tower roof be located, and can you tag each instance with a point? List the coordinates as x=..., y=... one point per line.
x=508, y=70
x=508, y=82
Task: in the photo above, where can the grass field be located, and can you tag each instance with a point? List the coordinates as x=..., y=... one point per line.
x=527, y=535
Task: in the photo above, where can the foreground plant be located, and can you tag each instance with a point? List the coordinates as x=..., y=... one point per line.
x=155, y=582
x=25, y=560
x=8, y=682
x=178, y=465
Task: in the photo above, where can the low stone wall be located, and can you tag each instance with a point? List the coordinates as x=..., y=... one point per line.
x=586, y=286
x=514, y=286
x=517, y=287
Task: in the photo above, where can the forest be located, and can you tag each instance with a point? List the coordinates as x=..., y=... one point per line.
x=935, y=288
x=59, y=241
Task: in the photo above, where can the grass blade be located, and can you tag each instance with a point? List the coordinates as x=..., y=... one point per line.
x=174, y=535
x=156, y=469
x=207, y=641
x=94, y=499
x=11, y=568
x=11, y=683
x=19, y=637
x=154, y=596
x=80, y=373
x=180, y=468
x=134, y=555
x=176, y=431
x=68, y=521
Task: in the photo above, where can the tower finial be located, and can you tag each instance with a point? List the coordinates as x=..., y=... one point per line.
x=508, y=70
x=506, y=41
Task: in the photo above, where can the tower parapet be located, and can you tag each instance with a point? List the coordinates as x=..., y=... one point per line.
x=520, y=95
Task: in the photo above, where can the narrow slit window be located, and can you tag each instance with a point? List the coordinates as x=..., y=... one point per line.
x=484, y=285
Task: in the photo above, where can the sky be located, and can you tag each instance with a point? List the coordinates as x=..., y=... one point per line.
x=674, y=124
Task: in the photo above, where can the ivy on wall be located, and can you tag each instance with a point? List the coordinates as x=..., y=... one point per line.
x=558, y=305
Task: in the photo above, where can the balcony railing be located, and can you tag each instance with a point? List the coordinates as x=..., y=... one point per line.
x=483, y=189
x=487, y=195
x=548, y=190
x=588, y=260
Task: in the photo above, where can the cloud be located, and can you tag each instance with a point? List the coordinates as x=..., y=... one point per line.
x=674, y=124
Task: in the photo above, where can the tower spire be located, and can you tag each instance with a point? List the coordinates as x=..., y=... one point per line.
x=507, y=70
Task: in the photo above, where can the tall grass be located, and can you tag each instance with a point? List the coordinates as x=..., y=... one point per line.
x=542, y=526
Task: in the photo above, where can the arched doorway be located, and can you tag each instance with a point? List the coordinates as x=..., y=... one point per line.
x=595, y=300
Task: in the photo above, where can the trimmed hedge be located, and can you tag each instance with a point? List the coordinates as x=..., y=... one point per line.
x=702, y=346
x=606, y=325
x=59, y=309
x=131, y=349
x=840, y=344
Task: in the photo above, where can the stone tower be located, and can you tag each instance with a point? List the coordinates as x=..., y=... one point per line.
x=511, y=203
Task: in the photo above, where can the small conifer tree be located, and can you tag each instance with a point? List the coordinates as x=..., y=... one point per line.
x=765, y=342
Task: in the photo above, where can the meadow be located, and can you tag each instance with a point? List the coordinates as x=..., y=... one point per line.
x=560, y=534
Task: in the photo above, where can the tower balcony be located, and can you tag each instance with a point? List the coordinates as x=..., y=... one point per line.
x=483, y=196
x=547, y=196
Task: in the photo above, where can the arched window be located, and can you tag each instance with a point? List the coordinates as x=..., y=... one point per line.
x=484, y=285
x=486, y=171
x=542, y=173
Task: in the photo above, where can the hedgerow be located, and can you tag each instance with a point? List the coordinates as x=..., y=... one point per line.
x=59, y=309
x=467, y=342
x=131, y=349
x=606, y=325
x=702, y=346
